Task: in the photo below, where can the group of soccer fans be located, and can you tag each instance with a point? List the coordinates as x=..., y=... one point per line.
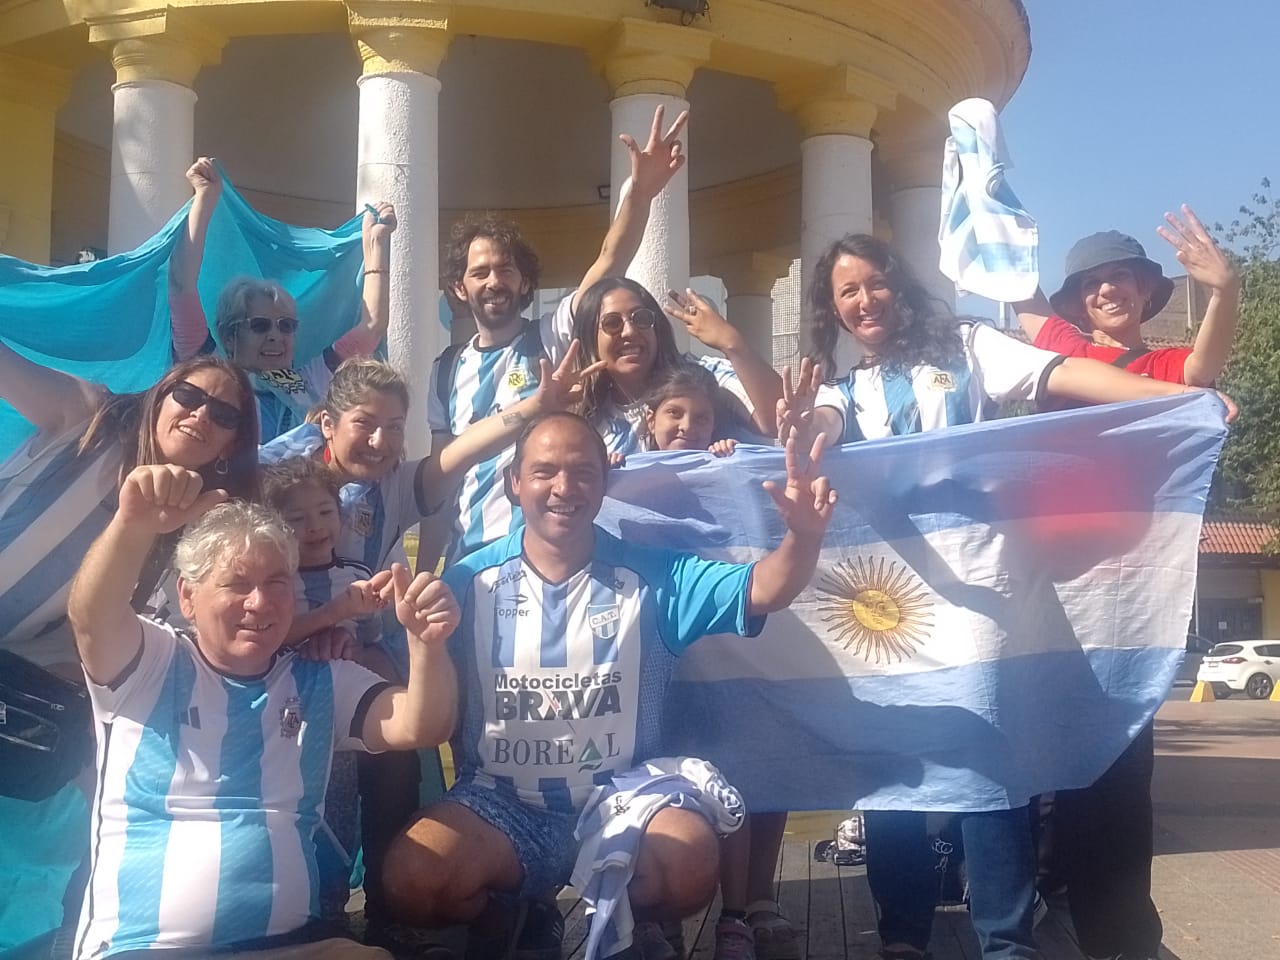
x=222, y=559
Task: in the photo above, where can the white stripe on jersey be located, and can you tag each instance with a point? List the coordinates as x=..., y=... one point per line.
x=53, y=505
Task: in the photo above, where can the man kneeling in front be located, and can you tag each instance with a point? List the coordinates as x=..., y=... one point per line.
x=565, y=648
x=214, y=747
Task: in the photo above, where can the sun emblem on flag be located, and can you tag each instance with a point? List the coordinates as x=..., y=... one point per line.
x=879, y=608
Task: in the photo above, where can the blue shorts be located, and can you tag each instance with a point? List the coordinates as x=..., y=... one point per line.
x=543, y=839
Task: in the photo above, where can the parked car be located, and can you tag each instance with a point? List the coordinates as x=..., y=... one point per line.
x=1249, y=665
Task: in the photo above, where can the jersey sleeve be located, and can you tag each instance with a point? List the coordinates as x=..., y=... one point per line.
x=836, y=396
x=1009, y=368
x=144, y=672
x=557, y=329
x=437, y=415
x=1168, y=364
x=1059, y=336
x=700, y=597
x=354, y=690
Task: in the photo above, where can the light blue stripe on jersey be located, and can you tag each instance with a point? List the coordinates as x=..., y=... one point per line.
x=317, y=586
x=554, y=650
x=315, y=688
x=900, y=397
x=373, y=543
x=959, y=401
x=504, y=628
x=603, y=597
x=140, y=879
x=556, y=792
x=58, y=566
x=484, y=473
x=246, y=844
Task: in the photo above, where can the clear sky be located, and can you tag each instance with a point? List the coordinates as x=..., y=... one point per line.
x=1131, y=107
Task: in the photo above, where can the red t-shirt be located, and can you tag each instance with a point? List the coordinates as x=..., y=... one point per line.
x=1165, y=363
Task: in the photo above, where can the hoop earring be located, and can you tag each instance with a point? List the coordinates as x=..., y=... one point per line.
x=221, y=466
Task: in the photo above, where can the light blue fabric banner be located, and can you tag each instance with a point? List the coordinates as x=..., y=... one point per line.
x=997, y=610
x=108, y=321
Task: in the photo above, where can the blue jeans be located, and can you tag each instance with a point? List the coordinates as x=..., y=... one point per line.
x=1000, y=864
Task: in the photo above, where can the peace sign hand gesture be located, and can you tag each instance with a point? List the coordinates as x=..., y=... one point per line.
x=562, y=388
x=807, y=501
x=653, y=167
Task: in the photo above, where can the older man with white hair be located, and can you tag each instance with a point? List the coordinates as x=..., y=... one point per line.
x=214, y=746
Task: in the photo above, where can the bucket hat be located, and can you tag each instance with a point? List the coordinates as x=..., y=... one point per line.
x=1110, y=246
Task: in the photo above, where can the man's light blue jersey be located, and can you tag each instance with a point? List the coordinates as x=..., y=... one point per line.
x=562, y=684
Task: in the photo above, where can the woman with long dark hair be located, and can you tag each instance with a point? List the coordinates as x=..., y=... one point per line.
x=924, y=369
x=618, y=322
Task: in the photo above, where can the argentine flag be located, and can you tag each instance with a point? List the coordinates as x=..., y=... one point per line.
x=997, y=610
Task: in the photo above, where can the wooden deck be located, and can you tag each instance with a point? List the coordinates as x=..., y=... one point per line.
x=832, y=908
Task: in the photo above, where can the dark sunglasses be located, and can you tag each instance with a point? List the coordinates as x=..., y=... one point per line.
x=191, y=397
x=261, y=325
x=642, y=318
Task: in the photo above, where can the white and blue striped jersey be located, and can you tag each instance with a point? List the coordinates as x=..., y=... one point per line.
x=210, y=789
x=562, y=684
x=996, y=368
x=470, y=383
x=285, y=397
x=53, y=505
x=625, y=429
x=316, y=586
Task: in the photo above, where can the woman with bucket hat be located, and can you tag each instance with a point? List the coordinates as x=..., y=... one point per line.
x=1102, y=839
x=1112, y=288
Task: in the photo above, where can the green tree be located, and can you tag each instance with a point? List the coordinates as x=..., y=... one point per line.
x=1249, y=477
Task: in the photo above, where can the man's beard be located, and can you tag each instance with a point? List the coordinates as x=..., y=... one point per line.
x=490, y=322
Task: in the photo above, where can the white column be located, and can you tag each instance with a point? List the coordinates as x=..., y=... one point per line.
x=835, y=192
x=913, y=217
x=152, y=142
x=662, y=262
x=748, y=281
x=398, y=160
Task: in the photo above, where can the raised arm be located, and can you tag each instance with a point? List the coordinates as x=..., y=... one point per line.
x=651, y=170
x=558, y=389
x=186, y=317
x=758, y=378
x=1206, y=264
x=1091, y=381
x=375, y=304
x=1033, y=313
x=805, y=504
x=424, y=712
x=52, y=400
x=153, y=500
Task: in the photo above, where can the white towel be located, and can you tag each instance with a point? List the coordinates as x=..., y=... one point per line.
x=613, y=823
x=989, y=244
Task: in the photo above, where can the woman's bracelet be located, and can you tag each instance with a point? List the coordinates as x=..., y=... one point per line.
x=376, y=270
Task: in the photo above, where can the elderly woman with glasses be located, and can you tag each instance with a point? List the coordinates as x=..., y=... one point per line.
x=619, y=323
x=256, y=320
x=57, y=494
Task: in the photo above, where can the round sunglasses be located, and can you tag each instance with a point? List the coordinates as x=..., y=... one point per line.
x=642, y=318
x=190, y=397
x=261, y=325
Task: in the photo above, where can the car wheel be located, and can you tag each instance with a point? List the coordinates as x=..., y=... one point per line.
x=1258, y=687
x=1221, y=691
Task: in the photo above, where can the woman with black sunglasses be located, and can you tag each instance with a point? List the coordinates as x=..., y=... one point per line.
x=618, y=321
x=256, y=320
x=57, y=493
